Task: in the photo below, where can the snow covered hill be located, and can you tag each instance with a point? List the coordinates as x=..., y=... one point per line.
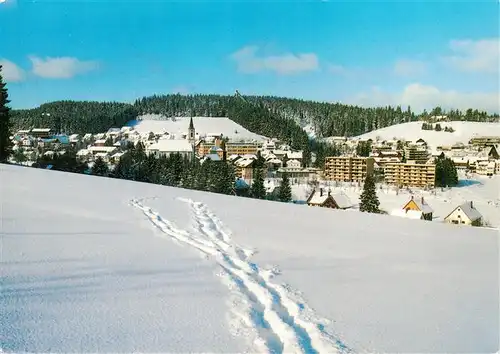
x=464, y=131
x=94, y=264
x=203, y=125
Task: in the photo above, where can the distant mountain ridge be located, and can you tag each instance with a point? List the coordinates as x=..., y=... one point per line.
x=286, y=118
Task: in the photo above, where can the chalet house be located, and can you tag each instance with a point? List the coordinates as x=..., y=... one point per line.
x=42, y=132
x=297, y=155
x=465, y=214
x=328, y=200
x=419, y=205
x=100, y=142
x=244, y=168
x=109, y=150
x=292, y=164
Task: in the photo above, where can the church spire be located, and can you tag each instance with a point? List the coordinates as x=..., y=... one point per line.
x=191, y=125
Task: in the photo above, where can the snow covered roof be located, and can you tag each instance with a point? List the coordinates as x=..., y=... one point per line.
x=101, y=154
x=319, y=199
x=274, y=161
x=342, y=200
x=422, y=205
x=213, y=157
x=100, y=141
x=469, y=210
x=82, y=152
x=171, y=145
x=233, y=157
x=102, y=148
x=244, y=162
x=294, y=155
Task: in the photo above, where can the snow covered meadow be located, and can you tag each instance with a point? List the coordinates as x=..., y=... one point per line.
x=157, y=123
x=463, y=132
x=93, y=264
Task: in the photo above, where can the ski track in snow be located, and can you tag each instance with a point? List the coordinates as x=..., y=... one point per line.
x=280, y=321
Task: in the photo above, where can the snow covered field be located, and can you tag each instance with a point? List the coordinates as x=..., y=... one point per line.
x=412, y=131
x=483, y=191
x=203, y=125
x=94, y=264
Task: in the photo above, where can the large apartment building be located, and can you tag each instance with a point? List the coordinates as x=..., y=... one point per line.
x=232, y=148
x=485, y=140
x=410, y=174
x=416, y=153
x=348, y=168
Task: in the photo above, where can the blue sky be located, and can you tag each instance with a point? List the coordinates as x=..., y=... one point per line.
x=421, y=53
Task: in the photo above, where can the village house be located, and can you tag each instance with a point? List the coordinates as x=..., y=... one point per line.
x=244, y=168
x=486, y=168
x=420, y=206
x=320, y=198
x=465, y=214
x=44, y=133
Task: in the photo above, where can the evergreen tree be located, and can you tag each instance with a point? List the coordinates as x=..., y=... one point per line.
x=225, y=178
x=369, y=200
x=364, y=148
x=19, y=156
x=100, y=168
x=258, y=190
x=123, y=168
x=68, y=162
x=189, y=172
x=446, y=172
x=285, y=191
x=5, y=124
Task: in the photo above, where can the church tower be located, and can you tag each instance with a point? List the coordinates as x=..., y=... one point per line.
x=191, y=132
x=192, y=136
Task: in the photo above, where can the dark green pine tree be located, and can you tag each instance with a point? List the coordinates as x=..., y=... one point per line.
x=258, y=190
x=100, y=168
x=369, y=200
x=123, y=168
x=5, y=125
x=446, y=172
x=224, y=178
x=285, y=191
x=189, y=171
x=202, y=180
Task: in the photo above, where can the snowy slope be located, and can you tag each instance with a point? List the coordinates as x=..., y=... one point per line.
x=95, y=264
x=464, y=131
x=203, y=125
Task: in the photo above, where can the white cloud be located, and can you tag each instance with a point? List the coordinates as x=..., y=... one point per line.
x=406, y=67
x=288, y=63
x=61, y=67
x=475, y=56
x=421, y=97
x=338, y=69
x=11, y=72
